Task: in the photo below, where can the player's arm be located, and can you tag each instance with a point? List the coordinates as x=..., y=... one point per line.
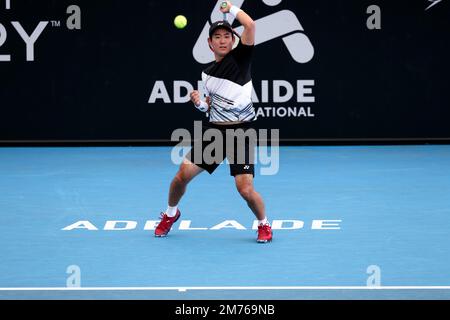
x=248, y=36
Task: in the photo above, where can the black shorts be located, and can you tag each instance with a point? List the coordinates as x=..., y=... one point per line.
x=237, y=146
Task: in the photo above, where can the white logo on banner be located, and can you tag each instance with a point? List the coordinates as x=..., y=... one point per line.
x=433, y=3
x=282, y=24
x=31, y=37
x=186, y=225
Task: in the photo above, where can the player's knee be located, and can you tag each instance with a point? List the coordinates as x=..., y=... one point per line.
x=246, y=191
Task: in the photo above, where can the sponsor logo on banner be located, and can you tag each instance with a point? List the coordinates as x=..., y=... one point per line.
x=31, y=36
x=274, y=98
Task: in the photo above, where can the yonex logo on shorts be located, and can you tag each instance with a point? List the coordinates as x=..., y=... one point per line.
x=284, y=24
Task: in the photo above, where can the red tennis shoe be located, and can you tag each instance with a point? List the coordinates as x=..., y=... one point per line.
x=264, y=233
x=166, y=223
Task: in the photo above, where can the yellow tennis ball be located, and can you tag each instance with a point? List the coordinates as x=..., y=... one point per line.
x=180, y=21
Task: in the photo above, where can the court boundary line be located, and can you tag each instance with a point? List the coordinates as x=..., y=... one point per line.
x=183, y=289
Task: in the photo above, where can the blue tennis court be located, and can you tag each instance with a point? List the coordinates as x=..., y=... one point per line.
x=342, y=217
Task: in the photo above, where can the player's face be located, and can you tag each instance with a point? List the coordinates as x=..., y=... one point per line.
x=222, y=42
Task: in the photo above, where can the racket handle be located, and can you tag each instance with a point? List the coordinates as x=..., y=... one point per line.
x=224, y=4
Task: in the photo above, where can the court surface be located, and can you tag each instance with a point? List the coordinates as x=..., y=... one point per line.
x=347, y=217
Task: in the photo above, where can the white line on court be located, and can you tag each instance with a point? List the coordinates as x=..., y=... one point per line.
x=183, y=289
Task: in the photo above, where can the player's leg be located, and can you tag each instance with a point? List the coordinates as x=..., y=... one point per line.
x=244, y=184
x=185, y=174
x=243, y=170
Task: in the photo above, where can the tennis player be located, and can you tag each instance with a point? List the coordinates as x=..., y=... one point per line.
x=228, y=105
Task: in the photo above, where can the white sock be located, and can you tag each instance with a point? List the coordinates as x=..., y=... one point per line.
x=171, y=211
x=263, y=221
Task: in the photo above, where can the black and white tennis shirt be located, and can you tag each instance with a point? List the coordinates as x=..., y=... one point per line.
x=229, y=86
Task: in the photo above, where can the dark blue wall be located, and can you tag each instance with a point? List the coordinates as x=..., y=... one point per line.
x=95, y=83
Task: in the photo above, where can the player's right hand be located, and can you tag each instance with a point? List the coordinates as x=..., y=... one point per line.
x=195, y=97
x=227, y=8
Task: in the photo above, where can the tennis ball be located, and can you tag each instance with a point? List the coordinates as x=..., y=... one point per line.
x=180, y=21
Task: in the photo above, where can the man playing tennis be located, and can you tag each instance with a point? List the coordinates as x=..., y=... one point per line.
x=228, y=85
